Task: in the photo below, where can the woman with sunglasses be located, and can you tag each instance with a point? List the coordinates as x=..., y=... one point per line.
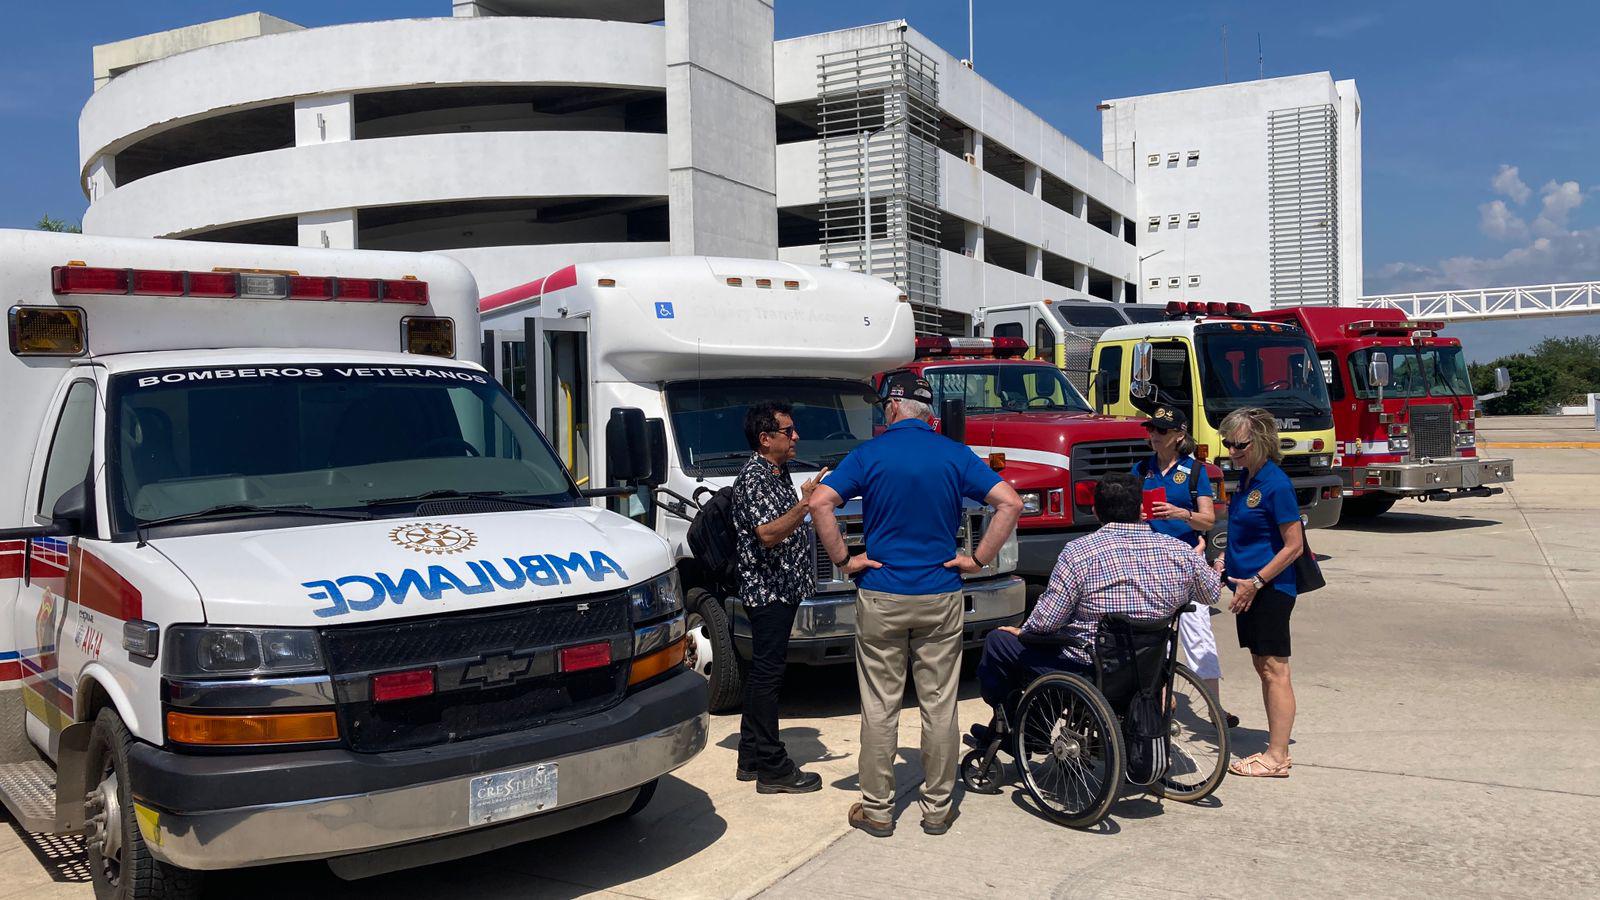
x=1264, y=540
x=1187, y=512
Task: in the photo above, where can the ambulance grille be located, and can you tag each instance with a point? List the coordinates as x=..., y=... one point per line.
x=467, y=704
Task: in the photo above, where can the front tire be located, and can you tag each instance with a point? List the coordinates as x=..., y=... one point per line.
x=119, y=862
x=713, y=654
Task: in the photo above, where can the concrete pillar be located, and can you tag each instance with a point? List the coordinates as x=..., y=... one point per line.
x=332, y=228
x=1119, y=292
x=721, y=147
x=975, y=146
x=102, y=177
x=1080, y=278
x=973, y=244
x=1116, y=225
x=324, y=120
x=1080, y=204
x=1032, y=181
x=1033, y=261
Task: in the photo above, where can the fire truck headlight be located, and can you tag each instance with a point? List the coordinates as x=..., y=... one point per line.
x=1321, y=460
x=1031, y=504
x=1466, y=439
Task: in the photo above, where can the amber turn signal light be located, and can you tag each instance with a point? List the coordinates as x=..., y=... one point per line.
x=233, y=731
x=652, y=664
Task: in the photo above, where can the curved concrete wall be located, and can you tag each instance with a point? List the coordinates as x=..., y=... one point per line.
x=363, y=57
x=383, y=172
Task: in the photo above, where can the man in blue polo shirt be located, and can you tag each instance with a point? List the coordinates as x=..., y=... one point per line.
x=911, y=481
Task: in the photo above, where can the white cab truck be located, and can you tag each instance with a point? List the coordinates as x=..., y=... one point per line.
x=284, y=577
x=694, y=341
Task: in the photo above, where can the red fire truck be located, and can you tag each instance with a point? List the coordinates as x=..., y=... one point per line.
x=1403, y=408
x=1033, y=426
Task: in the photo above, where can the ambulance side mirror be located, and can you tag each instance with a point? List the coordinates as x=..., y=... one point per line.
x=627, y=446
x=657, y=430
x=953, y=419
x=66, y=519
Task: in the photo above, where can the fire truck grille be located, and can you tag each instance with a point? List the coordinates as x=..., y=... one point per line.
x=1092, y=460
x=495, y=672
x=1432, y=432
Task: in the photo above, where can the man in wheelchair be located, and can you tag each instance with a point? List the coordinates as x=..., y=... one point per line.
x=1123, y=568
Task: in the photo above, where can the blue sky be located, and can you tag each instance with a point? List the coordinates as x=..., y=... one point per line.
x=1453, y=94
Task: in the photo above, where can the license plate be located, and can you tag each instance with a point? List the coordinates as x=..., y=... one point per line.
x=511, y=795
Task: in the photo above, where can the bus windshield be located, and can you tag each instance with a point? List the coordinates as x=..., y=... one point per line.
x=832, y=417
x=1414, y=372
x=1005, y=388
x=321, y=437
x=1278, y=372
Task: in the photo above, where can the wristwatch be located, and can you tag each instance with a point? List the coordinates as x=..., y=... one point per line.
x=1256, y=580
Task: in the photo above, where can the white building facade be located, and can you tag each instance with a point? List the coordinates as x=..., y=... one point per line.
x=525, y=135
x=1247, y=192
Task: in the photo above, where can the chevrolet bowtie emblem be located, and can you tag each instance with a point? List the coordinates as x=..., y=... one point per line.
x=497, y=669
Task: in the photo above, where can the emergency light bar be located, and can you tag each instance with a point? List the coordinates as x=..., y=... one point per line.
x=1178, y=309
x=81, y=279
x=996, y=347
x=1370, y=326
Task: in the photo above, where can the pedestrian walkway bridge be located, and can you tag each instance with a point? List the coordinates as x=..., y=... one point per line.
x=1484, y=304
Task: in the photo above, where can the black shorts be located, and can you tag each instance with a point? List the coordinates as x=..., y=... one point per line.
x=1264, y=627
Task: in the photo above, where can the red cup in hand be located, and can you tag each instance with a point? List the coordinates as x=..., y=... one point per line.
x=1152, y=496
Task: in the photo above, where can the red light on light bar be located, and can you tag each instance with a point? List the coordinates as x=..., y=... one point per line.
x=1005, y=347
x=310, y=287
x=402, y=685
x=1215, y=308
x=1174, y=307
x=588, y=656
x=1239, y=309
x=156, y=283
x=84, y=280
x=405, y=291
x=1195, y=308
x=213, y=284
x=364, y=290
x=933, y=346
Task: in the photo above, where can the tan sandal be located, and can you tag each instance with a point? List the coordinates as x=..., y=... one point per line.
x=1256, y=766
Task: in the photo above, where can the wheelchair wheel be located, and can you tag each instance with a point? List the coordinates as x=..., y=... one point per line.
x=981, y=773
x=1197, y=757
x=1068, y=746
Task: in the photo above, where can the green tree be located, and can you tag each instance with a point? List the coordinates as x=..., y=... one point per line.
x=46, y=223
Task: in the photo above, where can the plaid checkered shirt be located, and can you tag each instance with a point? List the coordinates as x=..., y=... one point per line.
x=1122, y=568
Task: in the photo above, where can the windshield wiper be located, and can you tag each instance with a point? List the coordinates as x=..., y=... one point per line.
x=449, y=494
x=252, y=509
x=702, y=461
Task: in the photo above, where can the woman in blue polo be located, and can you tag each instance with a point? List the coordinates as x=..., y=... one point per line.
x=1186, y=514
x=1265, y=537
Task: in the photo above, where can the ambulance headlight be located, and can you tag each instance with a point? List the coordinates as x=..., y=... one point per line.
x=656, y=598
x=1031, y=505
x=197, y=651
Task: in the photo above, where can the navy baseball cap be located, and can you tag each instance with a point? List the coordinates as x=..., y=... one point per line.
x=1168, y=418
x=907, y=386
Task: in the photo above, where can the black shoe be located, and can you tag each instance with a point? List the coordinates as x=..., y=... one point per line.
x=796, y=782
x=1233, y=720
x=744, y=774
x=979, y=736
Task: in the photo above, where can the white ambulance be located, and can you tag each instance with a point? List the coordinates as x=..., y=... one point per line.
x=695, y=341
x=284, y=577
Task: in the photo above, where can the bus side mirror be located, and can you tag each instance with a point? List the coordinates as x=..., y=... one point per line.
x=1502, y=379
x=627, y=446
x=953, y=419
x=657, y=430
x=1378, y=369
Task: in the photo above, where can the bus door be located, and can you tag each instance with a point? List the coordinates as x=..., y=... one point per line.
x=560, y=401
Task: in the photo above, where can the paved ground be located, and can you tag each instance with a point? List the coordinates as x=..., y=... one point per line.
x=1448, y=679
x=1540, y=432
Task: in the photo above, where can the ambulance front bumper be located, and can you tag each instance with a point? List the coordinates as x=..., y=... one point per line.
x=223, y=812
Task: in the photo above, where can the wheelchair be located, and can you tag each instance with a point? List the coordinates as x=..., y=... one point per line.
x=1145, y=719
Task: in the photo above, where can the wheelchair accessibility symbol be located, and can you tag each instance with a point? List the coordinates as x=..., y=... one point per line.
x=664, y=311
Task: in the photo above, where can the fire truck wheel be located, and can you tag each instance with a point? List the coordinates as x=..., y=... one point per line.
x=712, y=652
x=1365, y=507
x=119, y=862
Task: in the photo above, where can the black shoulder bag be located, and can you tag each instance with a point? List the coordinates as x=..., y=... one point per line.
x=1307, y=574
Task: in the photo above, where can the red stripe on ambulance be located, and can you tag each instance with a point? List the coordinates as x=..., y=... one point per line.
x=100, y=588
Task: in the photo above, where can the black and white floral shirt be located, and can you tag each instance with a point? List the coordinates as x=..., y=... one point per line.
x=782, y=574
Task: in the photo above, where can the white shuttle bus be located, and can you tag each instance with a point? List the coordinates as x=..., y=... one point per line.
x=694, y=341
x=284, y=576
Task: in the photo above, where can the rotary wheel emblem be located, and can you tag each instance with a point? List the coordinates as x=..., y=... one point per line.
x=1254, y=500
x=434, y=538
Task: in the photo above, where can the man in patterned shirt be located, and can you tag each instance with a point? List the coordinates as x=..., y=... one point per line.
x=1122, y=568
x=776, y=572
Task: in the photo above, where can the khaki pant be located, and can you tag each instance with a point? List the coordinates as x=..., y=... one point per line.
x=889, y=629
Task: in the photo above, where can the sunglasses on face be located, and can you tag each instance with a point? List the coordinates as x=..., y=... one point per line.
x=1236, y=445
x=1161, y=431
x=790, y=431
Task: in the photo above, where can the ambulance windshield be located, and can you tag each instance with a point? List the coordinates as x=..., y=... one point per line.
x=324, y=437
x=832, y=416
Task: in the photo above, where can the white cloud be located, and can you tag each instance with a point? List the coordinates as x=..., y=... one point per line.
x=1559, y=200
x=1509, y=183
x=1550, y=250
x=1496, y=220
